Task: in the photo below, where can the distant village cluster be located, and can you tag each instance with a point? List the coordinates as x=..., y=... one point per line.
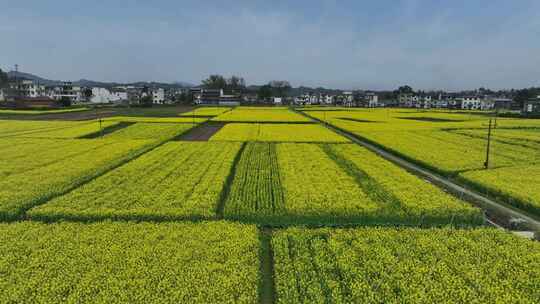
x=30, y=93
x=21, y=92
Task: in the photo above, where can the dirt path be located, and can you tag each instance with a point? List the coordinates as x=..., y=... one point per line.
x=202, y=132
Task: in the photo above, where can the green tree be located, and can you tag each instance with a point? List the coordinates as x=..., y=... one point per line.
x=264, y=92
x=182, y=98
x=3, y=79
x=64, y=101
x=280, y=88
x=236, y=83
x=87, y=93
x=405, y=90
x=524, y=95
x=146, y=101
x=214, y=82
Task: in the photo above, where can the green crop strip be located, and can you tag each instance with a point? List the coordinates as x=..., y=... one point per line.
x=374, y=190
x=256, y=188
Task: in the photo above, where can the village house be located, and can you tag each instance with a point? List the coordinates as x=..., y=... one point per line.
x=405, y=99
x=65, y=90
x=301, y=100
x=158, y=95
x=477, y=103
x=503, y=103
x=372, y=100
x=28, y=88
x=532, y=106
x=215, y=97
x=104, y=95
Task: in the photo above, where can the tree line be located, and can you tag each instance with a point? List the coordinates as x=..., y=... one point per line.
x=274, y=88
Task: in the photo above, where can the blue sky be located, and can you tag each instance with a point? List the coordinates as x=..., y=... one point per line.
x=381, y=44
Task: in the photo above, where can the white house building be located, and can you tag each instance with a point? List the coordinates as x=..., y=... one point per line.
x=104, y=95
x=66, y=90
x=477, y=103
x=29, y=88
x=372, y=100
x=158, y=96
x=348, y=98
x=314, y=99
x=302, y=99
x=326, y=99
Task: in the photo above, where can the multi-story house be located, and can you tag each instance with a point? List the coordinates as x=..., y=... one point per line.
x=314, y=99
x=28, y=88
x=405, y=100
x=302, y=99
x=104, y=95
x=158, y=95
x=66, y=90
x=348, y=99
x=372, y=100
x=532, y=106
x=503, y=103
x=477, y=103
x=215, y=96
x=326, y=99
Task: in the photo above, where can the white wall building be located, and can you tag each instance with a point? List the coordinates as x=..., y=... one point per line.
x=349, y=97
x=372, y=100
x=29, y=88
x=104, y=95
x=476, y=103
x=67, y=90
x=158, y=96
x=327, y=99
x=301, y=100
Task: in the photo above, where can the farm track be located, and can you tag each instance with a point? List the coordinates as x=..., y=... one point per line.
x=267, y=289
x=496, y=211
x=202, y=132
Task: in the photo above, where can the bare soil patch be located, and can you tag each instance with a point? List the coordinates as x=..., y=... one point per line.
x=202, y=132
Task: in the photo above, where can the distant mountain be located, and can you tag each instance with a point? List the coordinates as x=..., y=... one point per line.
x=184, y=84
x=21, y=75
x=92, y=83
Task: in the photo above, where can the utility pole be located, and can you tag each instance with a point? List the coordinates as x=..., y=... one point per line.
x=486, y=164
x=98, y=117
